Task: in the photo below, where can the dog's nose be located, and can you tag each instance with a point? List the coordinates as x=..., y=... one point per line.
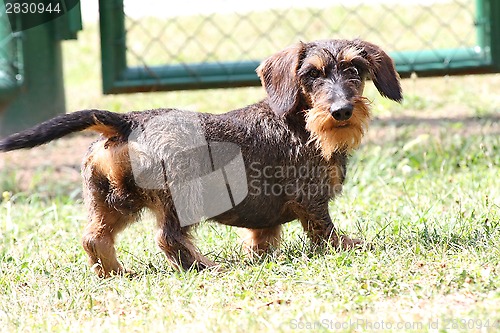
x=341, y=112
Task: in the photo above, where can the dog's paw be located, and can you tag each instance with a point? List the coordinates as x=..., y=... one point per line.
x=345, y=243
x=119, y=272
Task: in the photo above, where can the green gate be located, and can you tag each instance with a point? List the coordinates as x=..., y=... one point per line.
x=221, y=47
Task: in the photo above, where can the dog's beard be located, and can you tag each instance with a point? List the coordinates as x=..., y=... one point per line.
x=331, y=136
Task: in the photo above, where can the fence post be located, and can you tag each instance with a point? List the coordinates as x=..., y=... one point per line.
x=494, y=17
x=41, y=95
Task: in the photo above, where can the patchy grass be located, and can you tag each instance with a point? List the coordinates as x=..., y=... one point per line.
x=430, y=207
x=423, y=190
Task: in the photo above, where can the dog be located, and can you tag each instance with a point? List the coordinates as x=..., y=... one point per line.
x=281, y=159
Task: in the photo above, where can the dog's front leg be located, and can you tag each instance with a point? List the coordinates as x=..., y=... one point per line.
x=322, y=229
x=319, y=228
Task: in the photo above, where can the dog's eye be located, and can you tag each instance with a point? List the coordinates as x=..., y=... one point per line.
x=314, y=73
x=352, y=71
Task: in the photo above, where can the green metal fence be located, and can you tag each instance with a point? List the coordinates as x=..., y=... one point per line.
x=222, y=46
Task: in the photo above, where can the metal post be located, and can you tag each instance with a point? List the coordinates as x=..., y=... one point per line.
x=494, y=18
x=39, y=91
x=42, y=94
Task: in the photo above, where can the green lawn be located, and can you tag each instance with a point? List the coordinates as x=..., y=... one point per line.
x=424, y=190
x=429, y=205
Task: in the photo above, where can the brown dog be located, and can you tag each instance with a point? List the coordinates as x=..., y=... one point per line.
x=258, y=167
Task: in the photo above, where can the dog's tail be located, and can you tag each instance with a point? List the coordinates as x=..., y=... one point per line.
x=108, y=123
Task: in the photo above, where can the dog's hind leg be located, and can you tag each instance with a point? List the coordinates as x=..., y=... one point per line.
x=113, y=203
x=175, y=241
x=99, y=238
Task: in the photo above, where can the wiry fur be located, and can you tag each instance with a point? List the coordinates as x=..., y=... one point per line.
x=294, y=128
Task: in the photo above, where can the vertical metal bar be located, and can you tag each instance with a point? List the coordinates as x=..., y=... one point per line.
x=488, y=30
x=8, y=71
x=494, y=31
x=113, y=42
x=481, y=24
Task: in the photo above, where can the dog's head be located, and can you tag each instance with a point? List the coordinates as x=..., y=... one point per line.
x=325, y=79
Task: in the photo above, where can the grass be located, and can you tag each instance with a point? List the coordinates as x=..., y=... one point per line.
x=430, y=209
x=423, y=190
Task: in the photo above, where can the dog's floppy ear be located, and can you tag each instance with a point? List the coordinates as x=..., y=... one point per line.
x=278, y=75
x=382, y=71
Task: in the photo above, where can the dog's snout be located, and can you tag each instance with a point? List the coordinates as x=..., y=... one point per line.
x=341, y=112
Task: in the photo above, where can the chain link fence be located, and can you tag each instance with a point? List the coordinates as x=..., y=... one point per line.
x=218, y=43
x=233, y=31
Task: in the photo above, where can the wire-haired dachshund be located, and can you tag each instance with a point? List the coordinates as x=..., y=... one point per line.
x=258, y=167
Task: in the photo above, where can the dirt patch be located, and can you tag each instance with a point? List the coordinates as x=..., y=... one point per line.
x=60, y=160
